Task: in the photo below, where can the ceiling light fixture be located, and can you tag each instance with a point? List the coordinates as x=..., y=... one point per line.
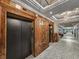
x=18, y=6
x=50, y=12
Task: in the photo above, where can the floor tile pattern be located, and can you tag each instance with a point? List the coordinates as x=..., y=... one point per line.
x=66, y=48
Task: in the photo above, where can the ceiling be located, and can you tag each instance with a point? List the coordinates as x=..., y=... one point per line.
x=55, y=9
x=45, y=3
x=42, y=6
x=68, y=18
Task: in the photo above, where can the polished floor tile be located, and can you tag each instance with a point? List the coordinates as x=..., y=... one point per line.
x=66, y=48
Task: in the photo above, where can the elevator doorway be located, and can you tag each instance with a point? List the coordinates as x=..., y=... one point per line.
x=19, y=38
x=51, y=32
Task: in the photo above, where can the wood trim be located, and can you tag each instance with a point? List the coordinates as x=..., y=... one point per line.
x=18, y=12
x=6, y=8
x=6, y=1
x=2, y=33
x=12, y=11
x=55, y=37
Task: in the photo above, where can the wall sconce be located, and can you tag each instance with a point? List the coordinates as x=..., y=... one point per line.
x=41, y=22
x=36, y=15
x=51, y=27
x=18, y=6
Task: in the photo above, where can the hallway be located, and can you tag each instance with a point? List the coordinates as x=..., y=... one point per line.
x=66, y=48
x=39, y=29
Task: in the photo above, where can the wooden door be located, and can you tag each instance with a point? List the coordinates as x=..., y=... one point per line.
x=41, y=35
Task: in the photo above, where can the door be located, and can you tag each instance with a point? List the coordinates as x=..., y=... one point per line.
x=51, y=31
x=19, y=39
x=14, y=39
x=26, y=39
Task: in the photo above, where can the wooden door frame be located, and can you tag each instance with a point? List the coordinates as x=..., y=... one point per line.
x=7, y=10
x=51, y=36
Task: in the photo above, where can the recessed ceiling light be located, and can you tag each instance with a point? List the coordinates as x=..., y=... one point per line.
x=77, y=8
x=69, y=12
x=50, y=12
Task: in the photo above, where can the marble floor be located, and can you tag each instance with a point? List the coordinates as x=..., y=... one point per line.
x=66, y=48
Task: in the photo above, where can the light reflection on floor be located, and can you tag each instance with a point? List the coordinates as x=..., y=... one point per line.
x=66, y=48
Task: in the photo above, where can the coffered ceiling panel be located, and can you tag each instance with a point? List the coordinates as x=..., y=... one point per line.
x=45, y=3
x=50, y=8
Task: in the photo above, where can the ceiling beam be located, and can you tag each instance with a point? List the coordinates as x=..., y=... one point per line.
x=47, y=2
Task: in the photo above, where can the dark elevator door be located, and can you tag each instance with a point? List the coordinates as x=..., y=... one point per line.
x=19, y=36
x=26, y=39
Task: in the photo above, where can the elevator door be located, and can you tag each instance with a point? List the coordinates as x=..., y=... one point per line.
x=19, y=36
x=26, y=39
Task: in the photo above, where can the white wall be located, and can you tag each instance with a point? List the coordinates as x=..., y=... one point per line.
x=55, y=27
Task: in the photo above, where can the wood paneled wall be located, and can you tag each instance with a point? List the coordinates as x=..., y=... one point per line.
x=55, y=37
x=41, y=28
x=5, y=8
x=6, y=1
x=41, y=35
x=2, y=32
x=15, y=11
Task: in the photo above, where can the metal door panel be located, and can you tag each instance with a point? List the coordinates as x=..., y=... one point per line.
x=26, y=38
x=19, y=39
x=14, y=39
